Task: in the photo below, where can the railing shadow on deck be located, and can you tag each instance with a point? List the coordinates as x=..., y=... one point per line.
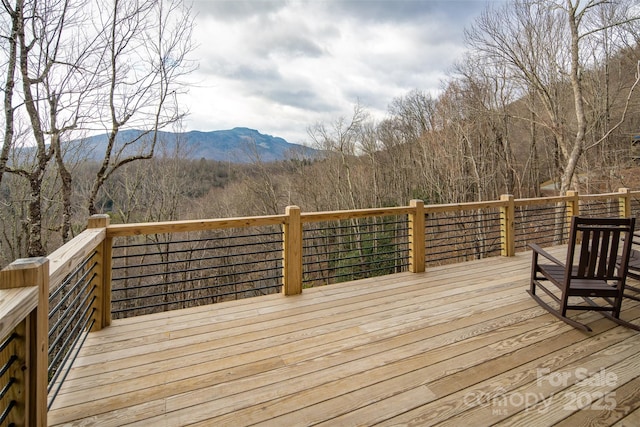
x=49, y=305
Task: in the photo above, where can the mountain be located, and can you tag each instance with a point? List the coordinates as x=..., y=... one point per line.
x=237, y=145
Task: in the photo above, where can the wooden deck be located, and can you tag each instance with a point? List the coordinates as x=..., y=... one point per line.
x=457, y=345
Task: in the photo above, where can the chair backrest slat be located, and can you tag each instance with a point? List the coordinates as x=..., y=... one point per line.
x=600, y=243
x=613, y=257
x=605, y=254
x=594, y=237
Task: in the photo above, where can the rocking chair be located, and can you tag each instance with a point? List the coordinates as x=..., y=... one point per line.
x=595, y=270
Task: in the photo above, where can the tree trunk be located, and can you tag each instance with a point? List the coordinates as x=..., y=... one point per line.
x=8, y=92
x=66, y=182
x=576, y=86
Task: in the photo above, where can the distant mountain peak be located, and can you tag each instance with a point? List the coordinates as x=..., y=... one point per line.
x=237, y=145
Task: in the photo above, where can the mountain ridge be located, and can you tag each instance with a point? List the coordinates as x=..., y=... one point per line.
x=237, y=145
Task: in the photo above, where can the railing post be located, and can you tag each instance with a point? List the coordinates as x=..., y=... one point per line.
x=573, y=208
x=507, y=226
x=27, y=272
x=624, y=202
x=416, y=237
x=292, y=248
x=102, y=304
x=573, y=205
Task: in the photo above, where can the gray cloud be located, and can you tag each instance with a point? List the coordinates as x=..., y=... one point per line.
x=280, y=66
x=403, y=11
x=287, y=42
x=237, y=10
x=300, y=98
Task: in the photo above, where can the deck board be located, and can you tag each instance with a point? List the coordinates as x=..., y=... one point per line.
x=410, y=349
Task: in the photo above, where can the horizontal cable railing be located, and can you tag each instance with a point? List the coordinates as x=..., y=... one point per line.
x=161, y=272
x=9, y=386
x=601, y=205
x=634, y=203
x=71, y=317
x=340, y=250
x=542, y=224
x=461, y=235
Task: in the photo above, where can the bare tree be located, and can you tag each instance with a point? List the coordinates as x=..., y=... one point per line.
x=10, y=47
x=37, y=56
x=543, y=45
x=74, y=65
x=406, y=137
x=486, y=95
x=145, y=51
x=262, y=181
x=341, y=141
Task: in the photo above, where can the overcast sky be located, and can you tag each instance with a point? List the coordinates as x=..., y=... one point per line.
x=281, y=66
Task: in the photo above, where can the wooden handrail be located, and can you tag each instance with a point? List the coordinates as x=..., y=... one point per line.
x=63, y=260
x=121, y=230
x=15, y=306
x=541, y=201
x=602, y=196
x=453, y=207
x=354, y=214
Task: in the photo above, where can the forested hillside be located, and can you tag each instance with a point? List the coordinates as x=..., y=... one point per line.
x=547, y=93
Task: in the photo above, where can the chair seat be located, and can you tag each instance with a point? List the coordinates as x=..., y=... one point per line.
x=577, y=286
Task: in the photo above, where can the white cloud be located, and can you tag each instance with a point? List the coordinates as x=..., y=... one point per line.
x=281, y=66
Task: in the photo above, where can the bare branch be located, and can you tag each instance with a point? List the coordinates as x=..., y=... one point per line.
x=625, y=110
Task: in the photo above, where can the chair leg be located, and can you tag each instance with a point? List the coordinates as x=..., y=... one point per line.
x=534, y=263
x=565, y=319
x=564, y=302
x=617, y=306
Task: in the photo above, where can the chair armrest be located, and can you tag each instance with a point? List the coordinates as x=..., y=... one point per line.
x=537, y=249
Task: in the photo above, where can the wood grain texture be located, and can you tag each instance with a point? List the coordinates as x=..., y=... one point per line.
x=357, y=213
x=120, y=230
x=292, y=253
x=417, y=237
x=410, y=349
x=15, y=306
x=64, y=260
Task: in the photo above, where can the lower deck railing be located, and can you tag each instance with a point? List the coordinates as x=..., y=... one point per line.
x=49, y=305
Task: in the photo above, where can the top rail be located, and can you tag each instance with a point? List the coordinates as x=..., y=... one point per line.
x=133, y=229
x=542, y=200
x=354, y=214
x=63, y=260
x=456, y=207
x=15, y=306
x=121, y=230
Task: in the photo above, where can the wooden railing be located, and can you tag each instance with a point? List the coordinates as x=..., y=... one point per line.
x=24, y=311
x=469, y=230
